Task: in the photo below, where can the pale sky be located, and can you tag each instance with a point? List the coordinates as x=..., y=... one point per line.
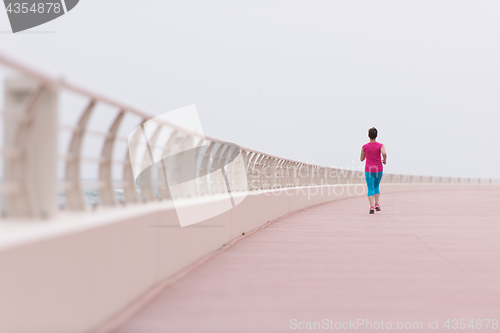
x=299, y=79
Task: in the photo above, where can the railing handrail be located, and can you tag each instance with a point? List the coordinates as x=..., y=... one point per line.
x=62, y=82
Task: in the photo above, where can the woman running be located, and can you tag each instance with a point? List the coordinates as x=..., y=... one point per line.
x=373, y=168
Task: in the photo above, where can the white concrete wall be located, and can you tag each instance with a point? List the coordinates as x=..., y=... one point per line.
x=76, y=272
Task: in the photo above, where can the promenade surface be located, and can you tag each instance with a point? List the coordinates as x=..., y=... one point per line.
x=426, y=256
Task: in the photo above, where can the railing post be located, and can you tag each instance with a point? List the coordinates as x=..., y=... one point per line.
x=168, y=150
x=272, y=176
x=261, y=165
x=249, y=160
x=107, y=191
x=243, y=186
x=310, y=170
x=129, y=190
x=294, y=178
x=33, y=171
x=205, y=168
x=74, y=193
x=253, y=171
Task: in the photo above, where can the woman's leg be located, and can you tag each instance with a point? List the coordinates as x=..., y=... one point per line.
x=370, y=181
x=376, y=186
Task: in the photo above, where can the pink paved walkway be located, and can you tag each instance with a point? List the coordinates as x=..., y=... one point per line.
x=426, y=256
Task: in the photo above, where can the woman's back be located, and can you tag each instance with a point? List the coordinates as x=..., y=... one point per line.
x=373, y=159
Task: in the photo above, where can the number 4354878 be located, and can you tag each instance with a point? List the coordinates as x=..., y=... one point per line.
x=39, y=7
x=477, y=324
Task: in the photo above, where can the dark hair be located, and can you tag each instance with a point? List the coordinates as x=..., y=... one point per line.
x=372, y=133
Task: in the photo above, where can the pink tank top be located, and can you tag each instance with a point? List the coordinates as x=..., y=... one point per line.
x=373, y=159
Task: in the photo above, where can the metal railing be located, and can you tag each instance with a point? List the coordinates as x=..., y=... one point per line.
x=36, y=174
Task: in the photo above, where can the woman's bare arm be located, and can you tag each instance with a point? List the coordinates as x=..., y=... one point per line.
x=362, y=157
x=384, y=154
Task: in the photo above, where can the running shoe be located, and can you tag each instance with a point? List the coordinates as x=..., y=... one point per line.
x=372, y=210
x=377, y=207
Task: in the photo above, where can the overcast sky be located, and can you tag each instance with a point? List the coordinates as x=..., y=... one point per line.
x=300, y=79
